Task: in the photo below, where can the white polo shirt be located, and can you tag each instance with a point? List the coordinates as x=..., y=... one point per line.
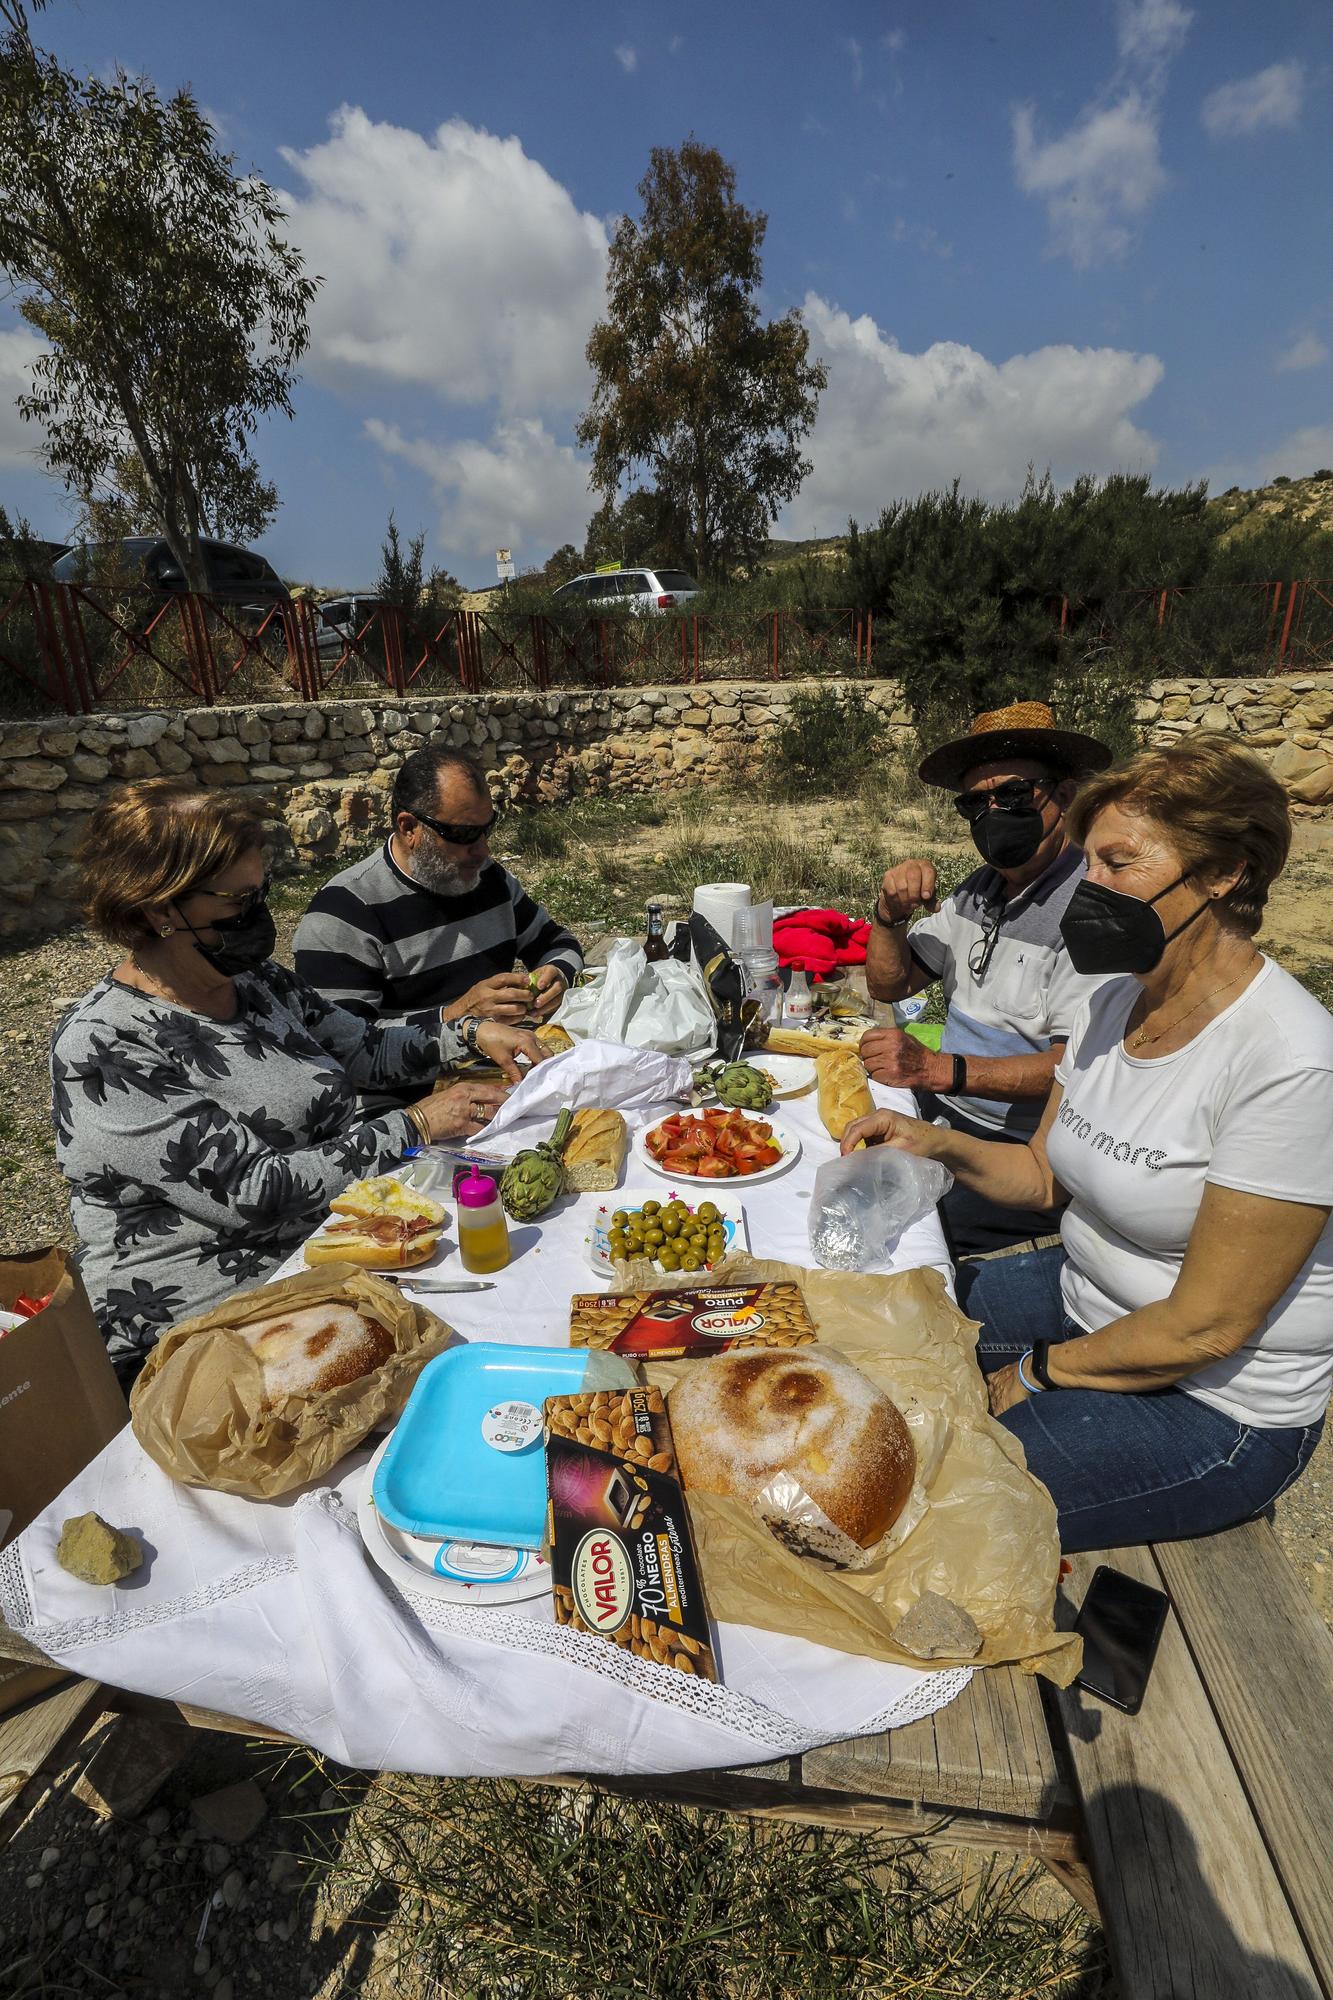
x=1028, y=994
x=1247, y=1104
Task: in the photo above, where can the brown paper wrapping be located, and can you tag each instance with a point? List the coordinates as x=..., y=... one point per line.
x=197, y=1407
x=988, y=1536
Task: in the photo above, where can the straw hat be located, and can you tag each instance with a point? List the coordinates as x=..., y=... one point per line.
x=1024, y=729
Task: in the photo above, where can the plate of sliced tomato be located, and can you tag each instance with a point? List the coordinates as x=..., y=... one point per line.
x=717, y=1145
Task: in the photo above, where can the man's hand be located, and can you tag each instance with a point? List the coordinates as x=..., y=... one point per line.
x=908, y=887
x=502, y=1046
x=547, y=988
x=891, y=1128
x=892, y=1056
x=505, y=996
x=1005, y=1389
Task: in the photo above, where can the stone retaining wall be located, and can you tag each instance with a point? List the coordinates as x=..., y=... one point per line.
x=320, y=772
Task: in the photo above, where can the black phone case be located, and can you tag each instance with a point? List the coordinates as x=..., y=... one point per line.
x=1133, y=1706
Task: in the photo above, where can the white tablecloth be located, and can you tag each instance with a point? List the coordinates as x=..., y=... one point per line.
x=271, y=1610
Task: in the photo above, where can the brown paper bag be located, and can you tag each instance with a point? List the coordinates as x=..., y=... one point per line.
x=198, y=1407
x=60, y=1403
x=988, y=1536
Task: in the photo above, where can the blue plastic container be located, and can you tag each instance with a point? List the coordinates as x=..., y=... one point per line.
x=465, y=1463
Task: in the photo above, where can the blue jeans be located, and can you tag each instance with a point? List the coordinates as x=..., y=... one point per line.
x=1122, y=1467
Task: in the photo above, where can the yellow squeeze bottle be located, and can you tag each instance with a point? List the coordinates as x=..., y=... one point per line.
x=483, y=1233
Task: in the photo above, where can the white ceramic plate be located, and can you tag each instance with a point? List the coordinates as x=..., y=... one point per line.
x=459, y=1572
x=733, y=1218
x=789, y=1141
x=792, y=1076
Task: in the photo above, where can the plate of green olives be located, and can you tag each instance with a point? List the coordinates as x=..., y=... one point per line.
x=677, y=1235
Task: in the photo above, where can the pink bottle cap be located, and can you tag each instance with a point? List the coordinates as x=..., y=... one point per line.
x=475, y=1191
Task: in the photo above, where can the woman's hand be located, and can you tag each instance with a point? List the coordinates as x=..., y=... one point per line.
x=891, y=1128
x=460, y=1111
x=1005, y=1389
x=502, y=1045
x=548, y=990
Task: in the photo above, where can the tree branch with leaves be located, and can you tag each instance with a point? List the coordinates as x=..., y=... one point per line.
x=696, y=394
x=174, y=310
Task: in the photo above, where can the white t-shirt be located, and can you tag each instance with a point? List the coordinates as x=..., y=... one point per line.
x=1247, y=1104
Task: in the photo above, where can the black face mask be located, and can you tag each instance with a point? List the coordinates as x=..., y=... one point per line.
x=248, y=939
x=1007, y=836
x=1107, y=931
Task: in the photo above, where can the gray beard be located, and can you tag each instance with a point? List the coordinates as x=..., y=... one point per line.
x=441, y=877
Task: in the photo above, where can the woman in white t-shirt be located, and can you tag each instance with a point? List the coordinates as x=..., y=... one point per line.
x=1167, y=1368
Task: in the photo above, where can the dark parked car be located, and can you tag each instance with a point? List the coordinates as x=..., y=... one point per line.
x=235, y=576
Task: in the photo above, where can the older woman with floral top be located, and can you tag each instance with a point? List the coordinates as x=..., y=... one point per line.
x=205, y=1098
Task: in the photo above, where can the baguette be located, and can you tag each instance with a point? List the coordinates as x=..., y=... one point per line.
x=595, y=1151
x=553, y=1039
x=844, y=1090
x=389, y=1244
x=797, y=1042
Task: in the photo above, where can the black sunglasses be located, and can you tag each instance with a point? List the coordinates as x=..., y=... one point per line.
x=246, y=900
x=1013, y=792
x=456, y=835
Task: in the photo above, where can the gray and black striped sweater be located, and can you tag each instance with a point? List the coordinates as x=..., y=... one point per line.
x=377, y=942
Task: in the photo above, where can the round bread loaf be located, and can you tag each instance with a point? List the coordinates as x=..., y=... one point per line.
x=315, y=1348
x=743, y=1417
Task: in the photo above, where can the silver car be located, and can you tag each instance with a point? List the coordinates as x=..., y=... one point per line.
x=651, y=590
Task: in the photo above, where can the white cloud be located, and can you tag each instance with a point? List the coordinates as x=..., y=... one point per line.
x=1149, y=32
x=628, y=58
x=895, y=41
x=1102, y=174
x=521, y=489
x=1300, y=454
x=19, y=441
x=892, y=423
x=851, y=47
x=451, y=260
x=1098, y=177
x=1306, y=351
x=675, y=45
x=1269, y=101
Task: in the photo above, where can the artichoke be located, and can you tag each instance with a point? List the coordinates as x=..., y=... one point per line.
x=535, y=1178
x=737, y=1084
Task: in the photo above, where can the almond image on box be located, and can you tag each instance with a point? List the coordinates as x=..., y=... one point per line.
x=707, y=1320
x=622, y=1562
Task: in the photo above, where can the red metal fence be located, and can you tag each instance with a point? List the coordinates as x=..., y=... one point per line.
x=81, y=647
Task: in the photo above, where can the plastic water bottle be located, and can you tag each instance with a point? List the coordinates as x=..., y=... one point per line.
x=763, y=981
x=800, y=1002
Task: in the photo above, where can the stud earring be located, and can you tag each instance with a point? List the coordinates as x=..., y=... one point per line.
x=167, y=930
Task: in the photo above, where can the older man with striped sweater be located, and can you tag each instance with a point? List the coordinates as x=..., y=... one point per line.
x=431, y=924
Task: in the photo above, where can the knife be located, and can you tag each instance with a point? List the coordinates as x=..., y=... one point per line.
x=438, y=1284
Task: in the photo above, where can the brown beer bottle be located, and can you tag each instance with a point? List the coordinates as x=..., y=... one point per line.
x=655, y=944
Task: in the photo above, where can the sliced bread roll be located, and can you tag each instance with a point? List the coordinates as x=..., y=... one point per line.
x=595, y=1151
x=315, y=1348
x=844, y=1090
x=742, y=1418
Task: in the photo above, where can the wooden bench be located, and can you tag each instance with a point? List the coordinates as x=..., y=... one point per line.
x=1205, y=1823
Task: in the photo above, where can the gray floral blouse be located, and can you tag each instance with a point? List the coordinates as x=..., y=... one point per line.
x=200, y=1153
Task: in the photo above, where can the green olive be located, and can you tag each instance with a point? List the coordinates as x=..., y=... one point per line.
x=654, y=1238
x=618, y=1242
x=671, y=1222
x=669, y=1257
x=619, y=1219
x=707, y=1211
x=691, y=1260
x=652, y=1208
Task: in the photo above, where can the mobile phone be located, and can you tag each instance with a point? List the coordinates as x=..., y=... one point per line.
x=1120, y=1623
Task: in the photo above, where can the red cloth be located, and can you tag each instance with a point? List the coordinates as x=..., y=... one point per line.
x=820, y=940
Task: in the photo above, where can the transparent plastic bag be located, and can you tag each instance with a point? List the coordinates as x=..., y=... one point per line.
x=862, y=1204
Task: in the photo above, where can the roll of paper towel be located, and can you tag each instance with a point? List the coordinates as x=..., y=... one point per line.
x=719, y=902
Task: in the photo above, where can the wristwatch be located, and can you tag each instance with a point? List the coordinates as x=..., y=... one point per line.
x=958, y=1081
x=1040, y=1349
x=897, y=923
x=468, y=1027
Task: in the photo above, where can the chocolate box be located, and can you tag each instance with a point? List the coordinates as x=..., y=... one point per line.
x=698, y=1320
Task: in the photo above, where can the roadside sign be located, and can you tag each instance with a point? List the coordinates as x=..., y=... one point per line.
x=504, y=565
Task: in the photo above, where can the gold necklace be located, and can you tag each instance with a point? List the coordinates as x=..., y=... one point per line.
x=1141, y=1039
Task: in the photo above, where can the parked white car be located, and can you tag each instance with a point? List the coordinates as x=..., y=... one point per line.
x=629, y=589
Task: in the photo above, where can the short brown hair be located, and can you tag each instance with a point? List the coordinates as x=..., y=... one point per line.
x=1218, y=805
x=153, y=841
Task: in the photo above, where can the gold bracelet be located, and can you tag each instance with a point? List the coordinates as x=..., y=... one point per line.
x=417, y=1120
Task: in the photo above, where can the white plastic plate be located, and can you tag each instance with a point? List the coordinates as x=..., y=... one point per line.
x=473, y=1573
x=791, y=1149
x=733, y=1217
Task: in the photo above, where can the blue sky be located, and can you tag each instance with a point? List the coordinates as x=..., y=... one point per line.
x=1093, y=235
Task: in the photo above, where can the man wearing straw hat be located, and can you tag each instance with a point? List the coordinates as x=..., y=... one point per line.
x=995, y=947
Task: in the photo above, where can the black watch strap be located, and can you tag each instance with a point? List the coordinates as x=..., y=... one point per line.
x=1041, y=1372
x=888, y=923
x=958, y=1082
